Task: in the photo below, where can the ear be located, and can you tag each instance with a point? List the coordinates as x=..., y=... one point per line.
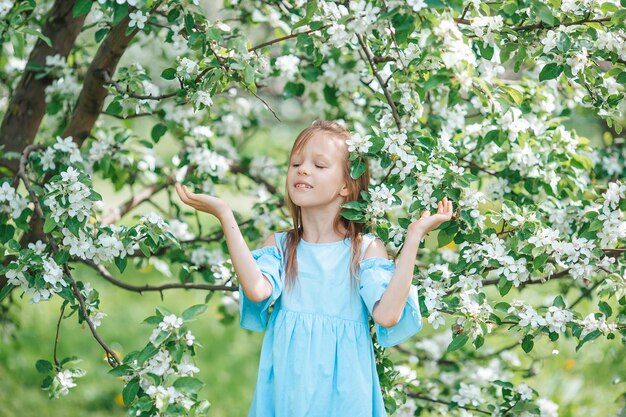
x=344, y=190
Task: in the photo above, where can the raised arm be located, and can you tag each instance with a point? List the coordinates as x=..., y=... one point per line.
x=388, y=310
x=254, y=284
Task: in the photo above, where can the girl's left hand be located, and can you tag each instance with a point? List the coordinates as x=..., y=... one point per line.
x=427, y=223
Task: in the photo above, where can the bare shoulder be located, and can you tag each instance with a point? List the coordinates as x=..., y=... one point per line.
x=376, y=249
x=269, y=241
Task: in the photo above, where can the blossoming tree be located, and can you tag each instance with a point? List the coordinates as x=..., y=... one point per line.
x=465, y=99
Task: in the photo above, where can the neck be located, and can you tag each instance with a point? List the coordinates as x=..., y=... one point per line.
x=317, y=225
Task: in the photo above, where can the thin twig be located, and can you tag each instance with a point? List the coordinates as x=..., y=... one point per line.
x=381, y=82
x=56, y=337
x=108, y=80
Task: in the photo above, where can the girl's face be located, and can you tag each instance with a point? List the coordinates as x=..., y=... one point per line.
x=315, y=177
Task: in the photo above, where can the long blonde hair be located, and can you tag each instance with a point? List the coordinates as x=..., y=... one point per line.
x=354, y=230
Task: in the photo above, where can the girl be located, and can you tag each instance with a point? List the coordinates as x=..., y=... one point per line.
x=324, y=276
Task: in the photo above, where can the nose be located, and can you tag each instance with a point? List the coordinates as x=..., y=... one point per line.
x=302, y=170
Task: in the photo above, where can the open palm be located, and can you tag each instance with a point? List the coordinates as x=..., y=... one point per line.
x=428, y=222
x=203, y=202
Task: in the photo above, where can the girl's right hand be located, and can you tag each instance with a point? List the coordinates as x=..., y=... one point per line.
x=203, y=202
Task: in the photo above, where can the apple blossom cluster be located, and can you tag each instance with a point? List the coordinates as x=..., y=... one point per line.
x=221, y=269
x=92, y=302
x=99, y=245
x=10, y=201
x=36, y=274
x=494, y=248
x=65, y=85
x=64, y=151
x=612, y=217
x=382, y=200
x=62, y=382
x=456, y=54
x=477, y=311
x=487, y=27
x=162, y=374
x=207, y=161
x=67, y=196
x=575, y=255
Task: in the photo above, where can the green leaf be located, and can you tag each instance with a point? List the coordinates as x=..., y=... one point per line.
x=458, y=342
x=149, y=351
x=14, y=245
x=130, y=391
x=38, y=34
x=168, y=74
x=353, y=215
x=81, y=7
x=61, y=257
x=153, y=320
x=100, y=34
x=605, y=309
x=504, y=286
x=435, y=81
x=558, y=302
x=189, y=23
x=120, y=370
x=550, y=71
x=158, y=131
x=188, y=384
x=144, y=248
x=544, y=13
x=194, y=311
x=357, y=168
x=517, y=97
x=621, y=78
x=528, y=343
x=121, y=11
x=114, y=107
x=43, y=366
x=479, y=341
x=311, y=8
x=6, y=290
x=445, y=236
x=6, y=233
x=49, y=225
x=121, y=263
x=73, y=224
x=293, y=90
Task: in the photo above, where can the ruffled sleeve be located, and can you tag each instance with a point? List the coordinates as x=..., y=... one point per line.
x=375, y=275
x=254, y=315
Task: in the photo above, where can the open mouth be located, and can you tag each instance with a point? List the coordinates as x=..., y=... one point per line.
x=302, y=186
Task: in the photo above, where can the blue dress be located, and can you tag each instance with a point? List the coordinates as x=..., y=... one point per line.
x=317, y=357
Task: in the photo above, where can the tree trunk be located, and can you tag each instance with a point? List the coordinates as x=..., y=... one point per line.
x=27, y=105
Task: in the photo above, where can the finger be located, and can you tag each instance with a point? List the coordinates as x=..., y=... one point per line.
x=180, y=193
x=188, y=193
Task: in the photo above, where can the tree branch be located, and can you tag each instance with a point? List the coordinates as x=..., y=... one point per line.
x=370, y=59
x=91, y=99
x=104, y=273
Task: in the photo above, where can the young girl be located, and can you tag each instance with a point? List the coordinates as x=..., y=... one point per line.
x=324, y=276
